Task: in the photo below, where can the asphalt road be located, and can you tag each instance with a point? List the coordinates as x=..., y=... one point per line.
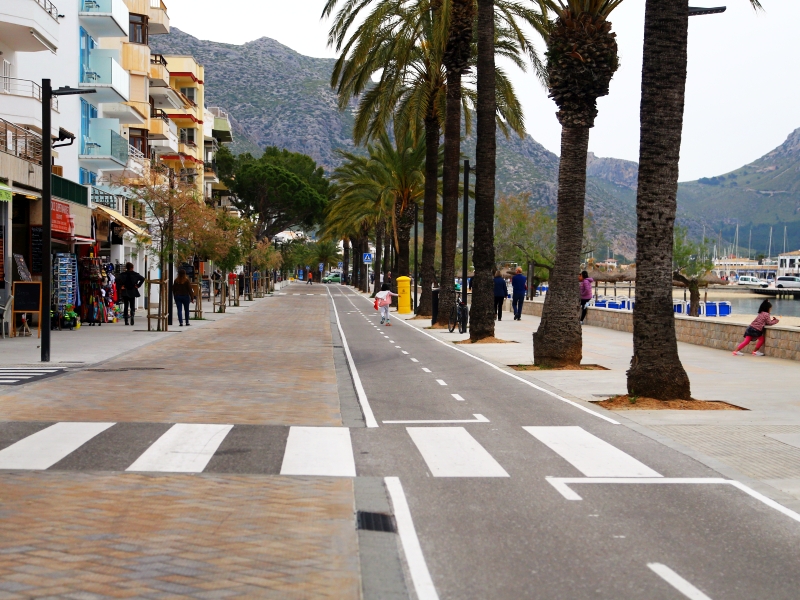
x=489, y=522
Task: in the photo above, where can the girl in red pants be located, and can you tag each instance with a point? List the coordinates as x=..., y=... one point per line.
x=756, y=329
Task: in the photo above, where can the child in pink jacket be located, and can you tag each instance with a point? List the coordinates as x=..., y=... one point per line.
x=384, y=298
x=756, y=329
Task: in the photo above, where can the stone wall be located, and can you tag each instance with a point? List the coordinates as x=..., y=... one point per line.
x=782, y=342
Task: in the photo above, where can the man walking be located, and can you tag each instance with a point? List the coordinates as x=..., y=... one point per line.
x=129, y=283
x=519, y=285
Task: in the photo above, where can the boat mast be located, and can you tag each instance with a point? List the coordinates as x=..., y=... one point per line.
x=769, y=250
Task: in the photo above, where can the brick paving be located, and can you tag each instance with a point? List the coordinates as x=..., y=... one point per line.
x=270, y=365
x=153, y=536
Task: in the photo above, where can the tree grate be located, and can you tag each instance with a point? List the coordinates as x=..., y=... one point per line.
x=370, y=521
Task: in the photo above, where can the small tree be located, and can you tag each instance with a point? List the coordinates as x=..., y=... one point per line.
x=690, y=263
x=525, y=235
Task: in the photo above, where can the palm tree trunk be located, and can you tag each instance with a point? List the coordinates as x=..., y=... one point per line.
x=482, y=312
x=364, y=265
x=430, y=211
x=387, y=256
x=656, y=370
x=346, y=262
x=376, y=268
x=452, y=158
x=558, y=342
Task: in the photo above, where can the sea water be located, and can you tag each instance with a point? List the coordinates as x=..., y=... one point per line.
x=749, y=306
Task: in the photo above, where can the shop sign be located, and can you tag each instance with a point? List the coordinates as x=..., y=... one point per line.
x=5, y=193
x=59, y=217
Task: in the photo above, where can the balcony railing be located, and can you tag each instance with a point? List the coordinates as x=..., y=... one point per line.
x=105, y=198
x=50, y=8
x=20, y=142
x=104, y=70
x=106, y=143
x=25, y=88
x=211, y=167
x=136, y=154
x=157, y=4
x=157, y=113
x=158, y=59
x=218, y=112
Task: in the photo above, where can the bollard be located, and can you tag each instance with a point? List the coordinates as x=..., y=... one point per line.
x=404, y=291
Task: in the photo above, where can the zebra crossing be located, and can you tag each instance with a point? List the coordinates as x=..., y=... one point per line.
x=447, y=451
x=20, y=375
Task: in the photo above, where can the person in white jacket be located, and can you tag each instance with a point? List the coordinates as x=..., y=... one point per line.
x=384, y=301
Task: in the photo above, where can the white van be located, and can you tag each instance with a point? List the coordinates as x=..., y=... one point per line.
x=787, y=281
x=750, y=280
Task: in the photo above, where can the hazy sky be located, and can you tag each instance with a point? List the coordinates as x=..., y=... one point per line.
x=743, y=89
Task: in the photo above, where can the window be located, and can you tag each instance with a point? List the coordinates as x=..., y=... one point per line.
x=190, y=93
x=137, y=29
x=187, y=136
x=138, y=139
x=5, y=83
x=86, y=46
x=87, y=177
x=88, y=112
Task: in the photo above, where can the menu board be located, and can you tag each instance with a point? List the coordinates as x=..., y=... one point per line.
x=22, y=268
x=37, y=248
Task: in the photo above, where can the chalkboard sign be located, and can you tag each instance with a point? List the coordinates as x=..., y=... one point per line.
x=37, y=247
x=22, y=268
x=205, y=285
x=188, y=268
x=27, y=296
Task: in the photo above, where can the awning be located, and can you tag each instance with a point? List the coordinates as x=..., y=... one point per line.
x=122, y=220
x=5, y=193
x=82, y=240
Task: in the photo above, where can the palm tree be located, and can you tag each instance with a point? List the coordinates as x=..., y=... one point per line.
x=581, y=60
x=656, y=370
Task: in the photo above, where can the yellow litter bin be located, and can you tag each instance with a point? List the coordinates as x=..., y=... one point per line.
x=404, y=291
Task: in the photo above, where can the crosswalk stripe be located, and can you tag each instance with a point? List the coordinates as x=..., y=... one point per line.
x=45, y=448
x=184, y=448
x=325, y=451
x=453, y=452
x=589, y=454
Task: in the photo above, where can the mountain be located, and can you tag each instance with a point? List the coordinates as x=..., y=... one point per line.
x=761, y=195
x=277, y=97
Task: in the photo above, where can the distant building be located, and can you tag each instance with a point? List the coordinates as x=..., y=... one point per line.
x=789, y=263
x=731, y=266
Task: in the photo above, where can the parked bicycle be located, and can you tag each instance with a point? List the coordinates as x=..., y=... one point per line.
x=459, y=314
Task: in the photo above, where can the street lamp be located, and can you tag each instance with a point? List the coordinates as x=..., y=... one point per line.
x=47, y=201
x=696, y=11
x=416, y=244
x=464, y=248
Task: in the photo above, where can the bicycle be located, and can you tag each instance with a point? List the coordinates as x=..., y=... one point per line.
x=459, y=314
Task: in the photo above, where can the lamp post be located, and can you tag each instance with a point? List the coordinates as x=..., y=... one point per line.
x=47, y=202
x=416, y=243
x=696, y=11
x=465, y=248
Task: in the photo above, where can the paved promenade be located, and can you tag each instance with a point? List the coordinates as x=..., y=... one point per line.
x=228, y=526
x=760, y=445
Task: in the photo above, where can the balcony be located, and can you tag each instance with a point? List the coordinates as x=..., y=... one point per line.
x=134, y=168
x=159, y=20
x=22, y=104
x=29, y=25
x=166, y=98
x=124, y=113
x=159, y=74
x=103, y=198
x=104, y=18
x=104, y=148
x=19, y=142
x=222, y=125
x=107, y=76
x=163, y=135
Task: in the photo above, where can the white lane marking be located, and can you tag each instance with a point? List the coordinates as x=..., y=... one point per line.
x=457, y=397
x=369, y=418
x=404, y=352
x=453, y=452
x=562, y=483
x=440, y=382
x=184, y=448
x=420, y=576
x=426, y=369
x=517, y=377
x=762, y=498
x=9, y=380
x=386, y=336
x=391, y=341
x=478, y=419
x=589, y=454
x=414, y=360
x=325, y=451
x=678, y=582
x=43, y=449
x=22, y=370
x=398, y=346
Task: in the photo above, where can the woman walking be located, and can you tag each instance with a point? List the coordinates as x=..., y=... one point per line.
x=184, y=294
x=756, y=329
x=500, y=294
x=586, y=292
x=384, y=300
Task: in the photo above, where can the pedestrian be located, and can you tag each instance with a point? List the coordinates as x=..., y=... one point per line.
x=500, y=294
x=183, y=294
x=586, y=292
x=384, y=299
x=519, y=285
x=388, y=279
x=756, y=329
x=310, y=277
x=129, y=283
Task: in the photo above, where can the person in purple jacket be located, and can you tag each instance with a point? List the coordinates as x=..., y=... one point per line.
x=586, y=292
x=519, y=285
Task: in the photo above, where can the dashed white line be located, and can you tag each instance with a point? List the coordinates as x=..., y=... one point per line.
x=457, y=397
x=678, y=582
x=440, y=382
x=404, y=352
x=426, y=369
x=414, y=360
